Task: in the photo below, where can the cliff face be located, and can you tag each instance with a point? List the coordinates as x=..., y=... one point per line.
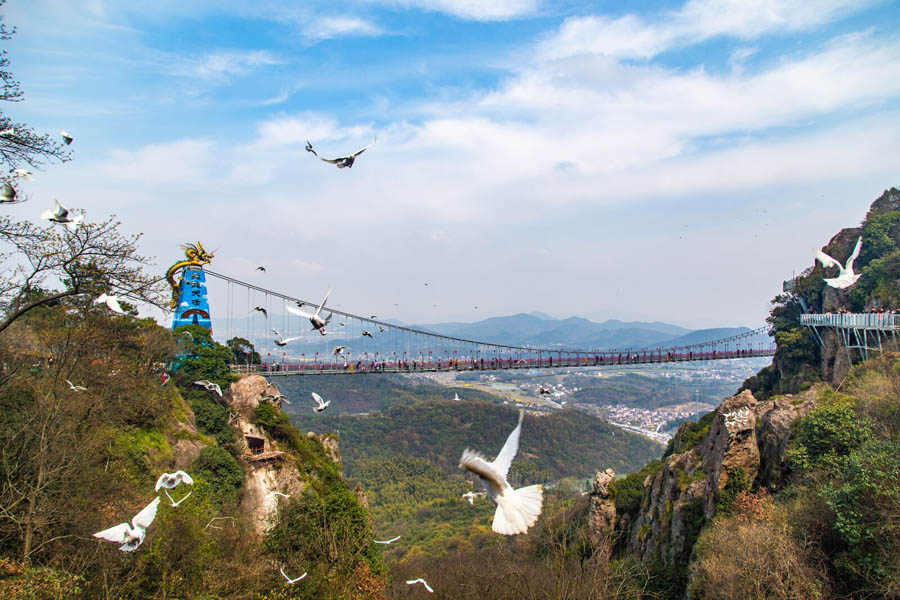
x=269, y=473
x=745, y=445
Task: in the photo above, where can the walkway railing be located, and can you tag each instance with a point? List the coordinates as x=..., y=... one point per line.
x=853, y=320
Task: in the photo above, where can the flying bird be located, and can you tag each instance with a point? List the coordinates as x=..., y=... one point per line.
x=368, y=334
x=544, y=391
x=130, y=537
x=66, y=136
x=322, y=404
x=23, y=174
x=381, y=328
x=390, y=541
x=262, y=310
x=373, y=316
x=175, y=504
x=316, y=319
x=60, y=214
x=342, y=162
x=339, y=350
x=263, y=269
x=8, y=131
x=289, y=580
x=76, y=388
x=456, y=396
x=112, y=302
x=171, y=480
x=419, y=580
x=846, y=277
x=209, y=386
x=470, y=496
x=517, y=510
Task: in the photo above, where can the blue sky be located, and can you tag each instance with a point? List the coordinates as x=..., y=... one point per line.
x=646, y=160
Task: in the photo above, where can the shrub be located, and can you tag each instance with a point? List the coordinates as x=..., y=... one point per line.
x=221, y=471
x=738, y=560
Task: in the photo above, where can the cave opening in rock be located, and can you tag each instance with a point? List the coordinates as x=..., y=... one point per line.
x=255, y=444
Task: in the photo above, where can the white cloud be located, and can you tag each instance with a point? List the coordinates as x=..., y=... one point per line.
x=631, y=36
x=323, y=28
x=478, y=10
x=220, y=66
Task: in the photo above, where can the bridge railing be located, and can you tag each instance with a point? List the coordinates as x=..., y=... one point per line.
x=853, y=320
x=328, y=367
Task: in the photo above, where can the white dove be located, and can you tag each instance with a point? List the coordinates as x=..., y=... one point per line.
x=322, y=404
x=210, y=386
x=317, y=321
x=470, y=496
x=170, y=480
x=23, y=174
x=390, y=541
x=289, y=580
x=517, y=510
x=339, y=350
x=846, y=277
x=130, y=537
x=422, y=581
x=60, y=214
x=112, y=302
x=76, y=388
x=342, y=162
x=283, y=341
x=175, y=504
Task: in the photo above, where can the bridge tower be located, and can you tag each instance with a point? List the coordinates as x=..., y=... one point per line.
x=193, y=304
x=189, y=295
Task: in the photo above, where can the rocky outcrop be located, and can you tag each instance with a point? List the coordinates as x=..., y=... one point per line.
x=672, y=498
x=745, y=445
x=774, y=422
x=271, y=475
x=729, y=446
x=602, y=514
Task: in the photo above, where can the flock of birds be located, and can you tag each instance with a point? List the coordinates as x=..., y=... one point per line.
x=517, y=509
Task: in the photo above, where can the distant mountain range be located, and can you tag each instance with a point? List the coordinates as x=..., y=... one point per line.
x=538, y=329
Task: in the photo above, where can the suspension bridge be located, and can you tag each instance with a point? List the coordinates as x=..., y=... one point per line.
x=356, y=344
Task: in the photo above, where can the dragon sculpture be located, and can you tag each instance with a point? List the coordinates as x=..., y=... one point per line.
x=196, y=257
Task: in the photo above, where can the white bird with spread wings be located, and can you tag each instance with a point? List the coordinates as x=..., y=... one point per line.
x=131, y=536
x=846, y=277
x=316, y=319
x=517, y=510
x=322, y=405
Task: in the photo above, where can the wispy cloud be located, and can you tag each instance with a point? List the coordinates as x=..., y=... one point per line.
x=635, y=37
x=323, y=28
x=478, y=10
x=220, y=66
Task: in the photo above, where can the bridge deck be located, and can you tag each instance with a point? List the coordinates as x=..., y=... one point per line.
x=881, y=321
x=468, y=364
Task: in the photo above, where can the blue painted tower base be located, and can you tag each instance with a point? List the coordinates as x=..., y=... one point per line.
x=193, y=305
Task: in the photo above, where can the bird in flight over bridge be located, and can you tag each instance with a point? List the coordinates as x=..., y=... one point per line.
x=322, y=405
x=283, y=341
x=342, y=162
x=316, y=319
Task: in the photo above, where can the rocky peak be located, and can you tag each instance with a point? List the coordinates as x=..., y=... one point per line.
x=745, y=445
x=602, y=512
x=889, y=201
